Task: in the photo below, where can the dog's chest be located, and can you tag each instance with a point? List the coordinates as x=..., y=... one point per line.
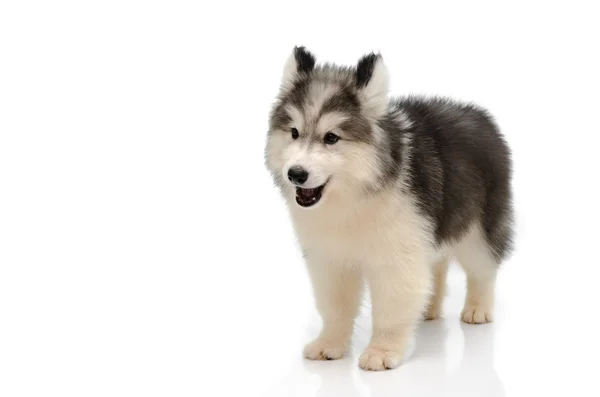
x=336, y=239
x=375, y=234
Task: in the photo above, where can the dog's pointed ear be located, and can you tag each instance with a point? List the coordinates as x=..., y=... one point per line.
x=300, y=62
x=372, y=82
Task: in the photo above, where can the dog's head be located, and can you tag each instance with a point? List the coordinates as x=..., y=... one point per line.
x=323, y=131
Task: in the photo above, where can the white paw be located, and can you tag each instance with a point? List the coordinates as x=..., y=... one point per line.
x=476, y=314
x=323, y=350
x=374, y=359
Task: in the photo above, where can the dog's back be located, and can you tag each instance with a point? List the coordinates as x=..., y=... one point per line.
x=460, y=169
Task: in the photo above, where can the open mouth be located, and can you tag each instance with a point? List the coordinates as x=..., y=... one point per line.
x=309, y=197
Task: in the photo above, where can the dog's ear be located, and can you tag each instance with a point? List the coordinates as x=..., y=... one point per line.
x=300, y=62
x=373, y=83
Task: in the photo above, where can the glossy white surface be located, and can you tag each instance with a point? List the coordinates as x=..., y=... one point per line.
x=144, y=251
x=448, y=358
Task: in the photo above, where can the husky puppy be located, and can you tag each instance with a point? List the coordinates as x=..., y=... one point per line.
x=387, y=191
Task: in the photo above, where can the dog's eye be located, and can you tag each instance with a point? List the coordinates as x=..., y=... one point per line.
x=331, y=138
x=295, y=133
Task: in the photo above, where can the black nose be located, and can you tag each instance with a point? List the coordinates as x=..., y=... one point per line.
x=297, y=175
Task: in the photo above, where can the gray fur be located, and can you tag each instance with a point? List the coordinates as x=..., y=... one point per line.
x=459, y=168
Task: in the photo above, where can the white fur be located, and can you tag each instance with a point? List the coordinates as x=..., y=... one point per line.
x=296, y=116
x=480, y=266
x=319, y=160
x=406, y=155
x=329, y=121
x=385, y=241
x=382, y=239
x=375, y=94
x=290, y=72
x=318, y=94
x=314, y=160
x=440, y=271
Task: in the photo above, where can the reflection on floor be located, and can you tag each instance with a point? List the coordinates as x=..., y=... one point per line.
x=448, y=358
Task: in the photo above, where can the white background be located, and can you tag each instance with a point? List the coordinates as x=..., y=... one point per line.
x=144, y=251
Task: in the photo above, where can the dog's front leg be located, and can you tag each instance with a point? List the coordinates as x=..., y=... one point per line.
x=337, y=290
x=399, y=296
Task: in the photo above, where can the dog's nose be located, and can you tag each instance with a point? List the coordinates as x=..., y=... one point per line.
x=297, y=175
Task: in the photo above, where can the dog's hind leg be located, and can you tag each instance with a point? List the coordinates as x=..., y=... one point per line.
x=436, y=301
x=480, y=265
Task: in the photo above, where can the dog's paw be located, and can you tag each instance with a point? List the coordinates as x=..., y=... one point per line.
x=476, y=314
x=374, y=359
x=433, y=312
x=323, y=350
